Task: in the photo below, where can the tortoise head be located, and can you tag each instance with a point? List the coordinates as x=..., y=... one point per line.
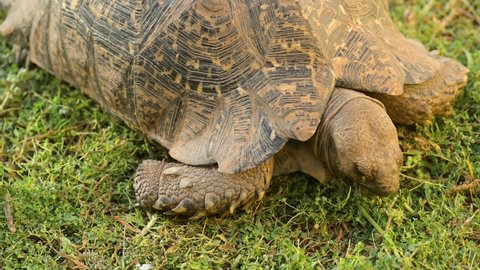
x=362, y=146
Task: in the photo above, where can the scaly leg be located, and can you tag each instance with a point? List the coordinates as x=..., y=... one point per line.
x=198, y=191
x=419, y=103
x=18, y=24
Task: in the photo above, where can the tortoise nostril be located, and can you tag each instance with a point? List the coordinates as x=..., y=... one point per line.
x=389, y=189
x=388, y=180
x=381, y=179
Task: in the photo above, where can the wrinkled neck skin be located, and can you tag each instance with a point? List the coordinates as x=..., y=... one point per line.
x=299, y=156
x=313, y=156
x=322, y=143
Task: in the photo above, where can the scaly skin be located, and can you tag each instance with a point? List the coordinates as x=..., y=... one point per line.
x=198, y=191
x=419, y=103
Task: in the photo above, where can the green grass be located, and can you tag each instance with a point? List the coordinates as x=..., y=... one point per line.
x=66, y=173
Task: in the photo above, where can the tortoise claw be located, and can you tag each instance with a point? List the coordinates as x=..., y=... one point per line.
x=211, y=202
x=162, y=202
x=185, y=206
x=243, y=196
x=260, y=193
x=200, y=214
x=233, y=206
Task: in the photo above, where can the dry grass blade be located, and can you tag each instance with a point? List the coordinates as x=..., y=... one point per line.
x=148, y=226
x=126, y=225
x=7, y=209
x=470, y=187
x=73, y=259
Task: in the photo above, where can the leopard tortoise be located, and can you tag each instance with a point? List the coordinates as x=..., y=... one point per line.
x=257, y=87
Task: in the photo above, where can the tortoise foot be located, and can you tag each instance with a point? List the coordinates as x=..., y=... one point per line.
x=198, y=191
x=18, y=25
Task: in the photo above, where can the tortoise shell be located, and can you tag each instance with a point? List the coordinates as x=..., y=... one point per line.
x=227, y=82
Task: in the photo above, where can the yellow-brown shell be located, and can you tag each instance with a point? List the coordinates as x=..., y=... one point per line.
x=225, y=82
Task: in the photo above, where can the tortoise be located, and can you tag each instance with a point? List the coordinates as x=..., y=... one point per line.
x=242, y=90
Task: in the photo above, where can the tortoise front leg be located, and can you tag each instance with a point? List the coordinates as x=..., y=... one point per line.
x=198, y=191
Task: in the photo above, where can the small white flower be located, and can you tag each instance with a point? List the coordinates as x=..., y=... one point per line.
x=145, y=266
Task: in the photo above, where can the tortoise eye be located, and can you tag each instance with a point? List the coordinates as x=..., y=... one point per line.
x=366, y=167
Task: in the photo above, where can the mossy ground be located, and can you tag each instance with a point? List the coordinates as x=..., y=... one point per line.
x=66, y=175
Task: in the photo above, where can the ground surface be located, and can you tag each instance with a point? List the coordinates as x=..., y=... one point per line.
x=66, y=178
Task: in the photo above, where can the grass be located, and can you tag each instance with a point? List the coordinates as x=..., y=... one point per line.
x=66, y=176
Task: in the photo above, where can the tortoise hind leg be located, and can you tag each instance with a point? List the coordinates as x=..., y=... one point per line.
x=18, y=24
x=419, y=103
x=198, y=191
x=6, y=3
